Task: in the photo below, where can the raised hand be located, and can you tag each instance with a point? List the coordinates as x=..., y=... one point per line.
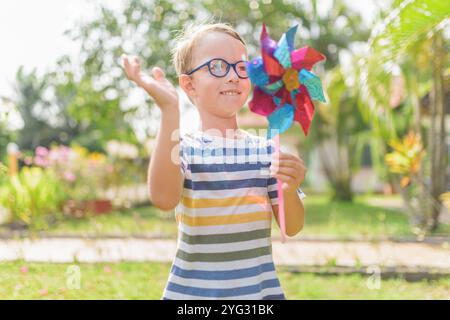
x=157, y=86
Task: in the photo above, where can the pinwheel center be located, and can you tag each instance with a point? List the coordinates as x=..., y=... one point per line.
x=290, y=79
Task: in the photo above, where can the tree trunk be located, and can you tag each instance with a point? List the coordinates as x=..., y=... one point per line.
x=437, y=143
x=335, y=163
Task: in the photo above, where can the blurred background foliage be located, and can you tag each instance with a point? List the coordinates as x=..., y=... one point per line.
x=384, y=79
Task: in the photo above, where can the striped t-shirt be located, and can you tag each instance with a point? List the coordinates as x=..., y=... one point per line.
x=224, y=218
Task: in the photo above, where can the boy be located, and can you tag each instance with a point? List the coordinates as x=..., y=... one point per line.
x=224, y=202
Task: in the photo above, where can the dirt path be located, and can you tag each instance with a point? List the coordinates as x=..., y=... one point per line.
x=291, y=253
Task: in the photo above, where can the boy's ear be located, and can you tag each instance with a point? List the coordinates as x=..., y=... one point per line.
x=187, y=85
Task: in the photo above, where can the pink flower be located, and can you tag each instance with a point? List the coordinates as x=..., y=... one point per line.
x=24, y=269
x=107, y=269
x=59, y=154
x=41, y=161
x=69, y=176
x=41, y=151
x=53, y=157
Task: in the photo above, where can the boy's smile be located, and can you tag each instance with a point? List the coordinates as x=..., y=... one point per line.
x=223, y=96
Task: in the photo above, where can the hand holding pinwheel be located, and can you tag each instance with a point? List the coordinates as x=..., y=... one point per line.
x=284, y=89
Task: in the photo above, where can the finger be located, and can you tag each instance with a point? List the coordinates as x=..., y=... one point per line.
x=284, y=178
x=158, y=73
x=287, y=163
x=125, y=61
x=283, y=155
x=293, y=173
x=136, y=60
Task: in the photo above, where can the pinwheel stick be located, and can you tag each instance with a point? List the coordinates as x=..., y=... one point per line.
x=284, y=90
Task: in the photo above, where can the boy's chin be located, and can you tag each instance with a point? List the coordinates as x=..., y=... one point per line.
x=231, y=111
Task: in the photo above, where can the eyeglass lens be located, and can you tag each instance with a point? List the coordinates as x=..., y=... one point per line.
x=220, y=68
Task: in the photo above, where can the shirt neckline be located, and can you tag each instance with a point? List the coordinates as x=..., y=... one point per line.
x=242, y=135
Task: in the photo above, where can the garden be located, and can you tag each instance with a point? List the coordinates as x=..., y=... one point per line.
x=75, y=146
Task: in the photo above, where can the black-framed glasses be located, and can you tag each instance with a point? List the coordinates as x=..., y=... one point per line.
x=219, y=68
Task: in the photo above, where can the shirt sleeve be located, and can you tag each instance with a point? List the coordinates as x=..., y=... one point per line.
x=273, y=193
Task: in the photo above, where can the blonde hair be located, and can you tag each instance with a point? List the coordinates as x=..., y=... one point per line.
x=186, y=40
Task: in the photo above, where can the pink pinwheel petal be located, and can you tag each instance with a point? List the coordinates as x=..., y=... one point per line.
x=305, y=57
x=304, y=111
x=262, y=103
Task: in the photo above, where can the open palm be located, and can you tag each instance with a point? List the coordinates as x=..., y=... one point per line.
x=157, y=86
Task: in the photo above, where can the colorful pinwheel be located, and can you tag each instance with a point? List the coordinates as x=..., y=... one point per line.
x=284, y=85
x=284, y=90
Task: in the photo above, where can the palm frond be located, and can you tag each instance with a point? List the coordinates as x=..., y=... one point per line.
x=398, y=35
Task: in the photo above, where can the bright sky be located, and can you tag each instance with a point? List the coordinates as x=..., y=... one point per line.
x=31, y=34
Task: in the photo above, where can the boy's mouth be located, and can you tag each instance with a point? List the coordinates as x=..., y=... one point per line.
x=231, y=92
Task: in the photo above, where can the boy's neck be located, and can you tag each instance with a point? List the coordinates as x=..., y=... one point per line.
x=218, y=125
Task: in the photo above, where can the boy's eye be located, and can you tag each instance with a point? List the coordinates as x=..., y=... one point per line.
x=217, y=65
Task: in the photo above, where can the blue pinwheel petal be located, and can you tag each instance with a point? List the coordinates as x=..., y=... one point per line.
x=313, y=84
x=256, y=73
x=280, y=120
x=290, y=36
x=285, y=46
x=282, y=53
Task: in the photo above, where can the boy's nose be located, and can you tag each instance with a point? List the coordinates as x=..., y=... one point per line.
x=232, y=76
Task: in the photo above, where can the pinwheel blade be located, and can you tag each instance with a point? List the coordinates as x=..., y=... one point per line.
x=280, y=120
x=313, y=84
x=282, y=53
x=304, y=111
x=268, y=45
x=268, y=48
x=273, y=88
x=305, y=58
x=256, y=72
x=262, y=103
x=290, y=37
x=271, y=65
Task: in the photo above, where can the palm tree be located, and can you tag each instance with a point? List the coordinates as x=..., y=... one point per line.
x=410, y=40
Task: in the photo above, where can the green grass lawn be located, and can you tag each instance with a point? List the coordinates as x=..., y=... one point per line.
x=21, y=280
x=141, y=220
x=342, y=219
x=323, y=217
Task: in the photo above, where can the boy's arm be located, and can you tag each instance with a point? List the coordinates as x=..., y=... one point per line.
x=291, y=170
x=164, y=174
x=294, y=213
